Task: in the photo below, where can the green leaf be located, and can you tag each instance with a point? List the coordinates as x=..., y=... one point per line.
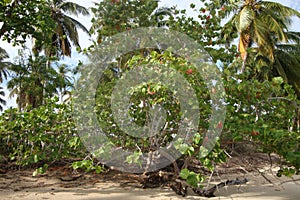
x=278, y=80
x=98, y=169
x=192, y=180
x=184, y=173
x=36, y=159
x=197, y=138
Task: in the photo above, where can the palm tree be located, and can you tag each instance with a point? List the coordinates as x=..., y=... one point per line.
x=286, y=62
x=258, y=22
x=30, y=78
x=64, y=82
x=112, y=17
x=65, y=31
x=66, y=28
x=4, y=66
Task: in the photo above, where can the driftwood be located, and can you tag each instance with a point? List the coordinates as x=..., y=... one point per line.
x=180, y=187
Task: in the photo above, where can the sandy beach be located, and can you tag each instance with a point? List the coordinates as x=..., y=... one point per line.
x=57, y=184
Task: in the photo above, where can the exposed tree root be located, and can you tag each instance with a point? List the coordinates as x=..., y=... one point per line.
x=180, y=186
x=210, y=192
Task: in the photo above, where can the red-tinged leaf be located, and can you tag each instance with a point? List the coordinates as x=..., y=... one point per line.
x=189, y=71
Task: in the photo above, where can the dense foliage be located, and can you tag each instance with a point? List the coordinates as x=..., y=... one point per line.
x=264, y=115
x=21, y=20
x=262, y=102
x=44, y=134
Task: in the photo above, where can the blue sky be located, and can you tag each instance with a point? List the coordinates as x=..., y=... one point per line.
x=85, y=40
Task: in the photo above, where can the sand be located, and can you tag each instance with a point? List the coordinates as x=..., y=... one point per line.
x=56, y=185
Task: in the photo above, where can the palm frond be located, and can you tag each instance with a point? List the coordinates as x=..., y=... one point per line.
x=280, y=69
x=57, y=2
x=4, y=73
x=70, y=30
x=280, y=9
x=288, y=47
x=246, y=17
x=3, y=54
x=76, y=23
x=163, y=11
x=290, y=62
x=2, y=101
x=229, y=29
x=2, y=93
x=260, y=31
x=13, y=92
x=263, y=38
x=293, y=36
x=66, y=31
x=276, y=26
x=73, y=8
x=4, y=65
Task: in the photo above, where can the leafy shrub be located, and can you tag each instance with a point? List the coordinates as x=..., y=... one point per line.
x=144, y=97
x=266, y=115
x=43, y=134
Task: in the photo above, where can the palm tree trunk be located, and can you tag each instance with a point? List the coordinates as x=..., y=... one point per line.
x=244, y=63
x=48, y=63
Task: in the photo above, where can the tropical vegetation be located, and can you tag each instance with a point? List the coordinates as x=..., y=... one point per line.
x=250, y=40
